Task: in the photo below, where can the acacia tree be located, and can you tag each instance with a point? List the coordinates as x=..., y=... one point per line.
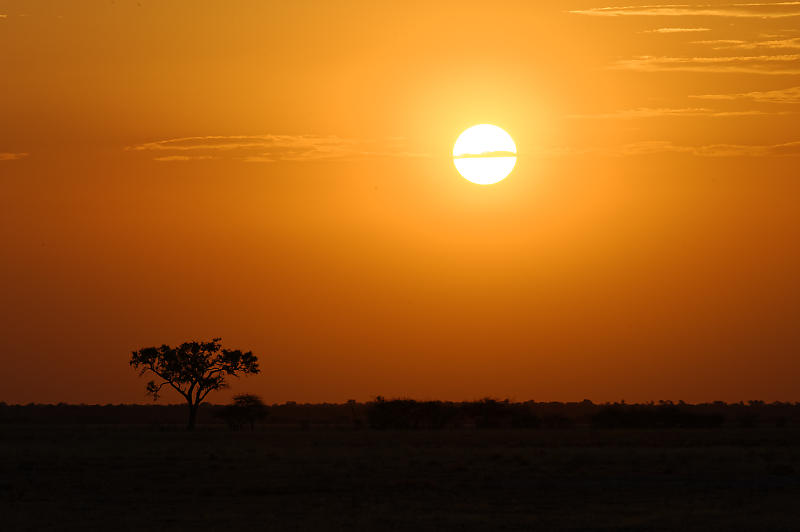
x=193, y=369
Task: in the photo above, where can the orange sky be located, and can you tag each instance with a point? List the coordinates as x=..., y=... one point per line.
x=279, y=174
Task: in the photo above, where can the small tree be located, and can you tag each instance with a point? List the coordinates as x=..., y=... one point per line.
x=193, y=369
x=246, y=409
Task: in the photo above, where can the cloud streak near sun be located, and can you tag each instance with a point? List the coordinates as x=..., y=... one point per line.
x=752, y=10
x=711, y=150
x=274, y=148
x=788, y=64
x=648, y=112
x=730, y=44
x=656, y=147
x=677, y=30
x=790, y=95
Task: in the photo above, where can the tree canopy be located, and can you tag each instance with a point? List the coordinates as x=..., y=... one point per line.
x=193, y=369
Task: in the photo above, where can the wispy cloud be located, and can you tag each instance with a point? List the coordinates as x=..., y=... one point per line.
x=654, y=147
x=753, y=10
x=8, y=156
x=759, y=64
x=720, y=44
x=168, y=158
x=775, y=44
x=789, y=96
x=677, y=30
x=649, y=112
x=771, y=44
x=711, y=150
x=272, y=148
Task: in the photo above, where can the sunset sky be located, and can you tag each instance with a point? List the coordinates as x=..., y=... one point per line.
x=280, y=174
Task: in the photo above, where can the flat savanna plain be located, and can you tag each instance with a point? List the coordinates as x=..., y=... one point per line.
x=127, y=478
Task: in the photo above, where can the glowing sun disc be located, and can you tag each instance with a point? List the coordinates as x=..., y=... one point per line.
x=484, y=154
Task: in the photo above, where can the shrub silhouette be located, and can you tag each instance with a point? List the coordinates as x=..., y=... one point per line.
x=193, y=369
x=409, y=414
x=246, y=409
x=545, y=415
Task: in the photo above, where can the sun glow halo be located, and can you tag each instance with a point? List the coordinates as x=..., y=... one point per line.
x=484, y=154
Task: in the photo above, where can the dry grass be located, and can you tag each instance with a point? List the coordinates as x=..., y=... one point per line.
x=59, y=478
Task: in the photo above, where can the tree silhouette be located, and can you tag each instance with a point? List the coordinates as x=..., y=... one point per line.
x=193, y=369
x=246, y=409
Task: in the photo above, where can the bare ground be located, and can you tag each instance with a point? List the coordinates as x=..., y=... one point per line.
x=128, y=478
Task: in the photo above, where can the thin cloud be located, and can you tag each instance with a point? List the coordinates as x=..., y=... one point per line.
x=168, y=158
x=8, y=156
x=720, y=44
x=789, y=149
x=677, y=30
x=760, y=64
x=774, y=44
x=648, y=112
x=655, y=147
x=790, y=95
x=273, y=148
x=755, y=10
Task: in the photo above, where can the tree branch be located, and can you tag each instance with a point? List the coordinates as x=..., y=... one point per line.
x=166, y=381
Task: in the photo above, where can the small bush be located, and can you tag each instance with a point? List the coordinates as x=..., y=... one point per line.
x=246, y=409
x=409, y=414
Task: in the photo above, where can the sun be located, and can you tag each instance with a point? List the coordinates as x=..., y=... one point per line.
x=484, y=154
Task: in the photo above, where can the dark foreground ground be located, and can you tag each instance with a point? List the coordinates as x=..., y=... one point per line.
x=127, y=478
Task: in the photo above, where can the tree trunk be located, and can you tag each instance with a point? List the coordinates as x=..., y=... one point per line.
x=192, y=416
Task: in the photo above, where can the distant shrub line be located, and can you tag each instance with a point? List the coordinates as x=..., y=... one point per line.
x=491, y=413
x=486, y=413
x=410, y=414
